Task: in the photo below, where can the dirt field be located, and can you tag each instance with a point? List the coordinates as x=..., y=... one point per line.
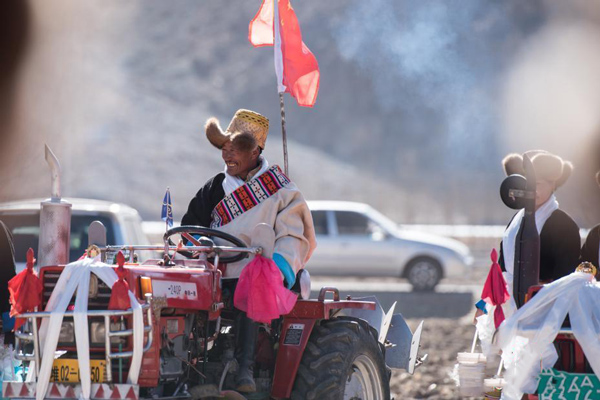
x=442, y=339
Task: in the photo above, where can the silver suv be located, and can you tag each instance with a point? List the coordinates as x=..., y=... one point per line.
x=355, y=239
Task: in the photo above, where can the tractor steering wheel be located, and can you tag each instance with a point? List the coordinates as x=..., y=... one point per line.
x=186, y=232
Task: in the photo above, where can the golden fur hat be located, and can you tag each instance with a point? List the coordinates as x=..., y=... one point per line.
x=244, y=127
x=547, y=166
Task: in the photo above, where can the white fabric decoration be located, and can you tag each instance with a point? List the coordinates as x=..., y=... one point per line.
x=508, y=244
x=76, y=276
x=527, y=337
x=278, y=53
x=230, y=183
x=485, y=330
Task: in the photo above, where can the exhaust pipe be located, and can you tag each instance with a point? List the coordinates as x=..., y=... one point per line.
x=55, y=172
x=55, y=221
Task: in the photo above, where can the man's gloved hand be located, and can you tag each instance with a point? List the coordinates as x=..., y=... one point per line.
x=286, y=269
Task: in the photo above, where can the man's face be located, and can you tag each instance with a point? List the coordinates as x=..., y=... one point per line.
x=543, y=191
x=239, y=162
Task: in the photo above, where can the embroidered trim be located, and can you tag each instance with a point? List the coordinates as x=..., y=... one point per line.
x=248, y=196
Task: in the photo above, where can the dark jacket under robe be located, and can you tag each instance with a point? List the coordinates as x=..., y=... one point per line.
x=559, y=247
x=204, y=202
x=589, y=251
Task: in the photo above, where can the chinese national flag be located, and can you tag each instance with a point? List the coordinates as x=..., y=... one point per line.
x=296, y=67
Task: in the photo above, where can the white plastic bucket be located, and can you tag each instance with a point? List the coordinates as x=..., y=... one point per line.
x=471, y=358
x=493, y=383
x=471, y=369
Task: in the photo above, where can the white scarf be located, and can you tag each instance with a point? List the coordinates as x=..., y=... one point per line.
x=526, y=339
x=230, y=183
x=510, y=235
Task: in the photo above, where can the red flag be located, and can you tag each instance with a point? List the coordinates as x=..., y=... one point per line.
x=296, y=67
x=495, y=291
x=25, y=291
x=119, y=297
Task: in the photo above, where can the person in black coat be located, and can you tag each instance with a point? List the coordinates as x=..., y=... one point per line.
x=590, y=251
x=559, y=234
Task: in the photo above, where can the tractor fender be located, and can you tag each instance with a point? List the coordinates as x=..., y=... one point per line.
x=296, y=329
x=401, y=344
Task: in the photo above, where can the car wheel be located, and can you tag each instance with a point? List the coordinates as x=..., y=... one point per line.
x=424, y=273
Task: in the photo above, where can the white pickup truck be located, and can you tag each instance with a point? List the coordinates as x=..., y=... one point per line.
x=123, y=225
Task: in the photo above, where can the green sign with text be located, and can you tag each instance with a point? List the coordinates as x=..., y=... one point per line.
x=559, y=385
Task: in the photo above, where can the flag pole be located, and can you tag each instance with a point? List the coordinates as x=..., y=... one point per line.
x=167, y=219
x=284, y=135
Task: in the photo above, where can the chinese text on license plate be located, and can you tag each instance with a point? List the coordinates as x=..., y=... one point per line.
x=67, y=370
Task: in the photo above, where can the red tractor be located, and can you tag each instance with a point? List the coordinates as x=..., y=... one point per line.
x=323, y=349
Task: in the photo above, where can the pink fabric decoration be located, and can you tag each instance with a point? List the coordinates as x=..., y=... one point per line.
x=260, y=291
x=495, y=291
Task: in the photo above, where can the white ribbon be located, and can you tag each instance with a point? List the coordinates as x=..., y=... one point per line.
x=526, y=338
x=76, y=276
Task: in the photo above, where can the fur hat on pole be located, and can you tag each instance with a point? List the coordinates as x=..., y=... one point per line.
x=547, y=166
x=247, y=129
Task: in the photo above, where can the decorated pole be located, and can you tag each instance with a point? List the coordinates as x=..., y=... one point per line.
x=278, y=59
x=283, y=134
x=297, y=70
x=167, y=215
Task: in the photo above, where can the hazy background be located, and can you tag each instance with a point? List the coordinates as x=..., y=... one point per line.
x=418, y=103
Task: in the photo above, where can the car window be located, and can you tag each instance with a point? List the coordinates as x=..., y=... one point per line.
x=26, y=231
x=352, y=223
x=320, y=221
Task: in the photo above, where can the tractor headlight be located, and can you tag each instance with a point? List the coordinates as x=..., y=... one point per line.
x=304, y=284
x=67, y=332
x=97, y=333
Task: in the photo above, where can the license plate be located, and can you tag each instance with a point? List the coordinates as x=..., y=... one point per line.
x=67, y=370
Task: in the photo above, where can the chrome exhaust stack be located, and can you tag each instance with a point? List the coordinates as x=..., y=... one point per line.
x=55, y=221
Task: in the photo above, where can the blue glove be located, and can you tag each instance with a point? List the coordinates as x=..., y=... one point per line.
x=286, y=269
x=481, y=305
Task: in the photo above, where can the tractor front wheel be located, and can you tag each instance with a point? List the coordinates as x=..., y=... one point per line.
x=342, y=361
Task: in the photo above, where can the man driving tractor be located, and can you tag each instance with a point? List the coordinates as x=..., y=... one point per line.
x=248, y=192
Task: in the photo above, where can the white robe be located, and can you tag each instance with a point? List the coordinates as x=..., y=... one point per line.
x=287, y=213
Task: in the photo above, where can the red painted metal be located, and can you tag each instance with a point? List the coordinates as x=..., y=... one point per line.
x=9, y=391
x=306, y=312
x=289, y=357
x=321, y=309
x=131, y=394
x=99, y=393
x=116, y=395
x=203, y=278
x=24, y=391
x=70, y=393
